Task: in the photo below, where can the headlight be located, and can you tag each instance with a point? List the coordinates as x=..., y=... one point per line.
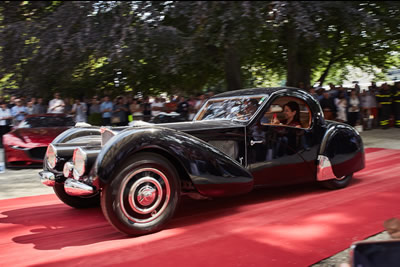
x=68, y=168
x=51, y=156
x=79, y=162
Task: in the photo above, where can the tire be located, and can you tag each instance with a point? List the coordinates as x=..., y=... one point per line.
x=142, y=196
x=337, y=183
x=76, y=202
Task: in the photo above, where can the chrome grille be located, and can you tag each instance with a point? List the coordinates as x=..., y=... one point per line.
x=106, y=135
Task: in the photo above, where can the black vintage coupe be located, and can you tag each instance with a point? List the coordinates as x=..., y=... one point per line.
x=233, y=145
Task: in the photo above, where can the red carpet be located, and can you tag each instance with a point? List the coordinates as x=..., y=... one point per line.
x=292, y=226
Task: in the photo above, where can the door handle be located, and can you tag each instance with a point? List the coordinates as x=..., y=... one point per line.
x=252, y=142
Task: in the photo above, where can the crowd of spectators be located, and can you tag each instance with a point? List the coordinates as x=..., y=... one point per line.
x=99, y=111
x=369, y=108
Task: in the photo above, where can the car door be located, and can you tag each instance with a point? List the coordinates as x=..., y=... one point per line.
x=280, y=154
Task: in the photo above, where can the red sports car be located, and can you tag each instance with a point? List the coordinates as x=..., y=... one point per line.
x=26, y=144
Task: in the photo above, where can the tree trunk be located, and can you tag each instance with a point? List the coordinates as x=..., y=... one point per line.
x=321, y=80
x=298, y=62
x=332, y=60
x=232, y=69
x=298, y=68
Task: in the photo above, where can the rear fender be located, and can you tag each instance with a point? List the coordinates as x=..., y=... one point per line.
x=212, y=172
x=341, y=152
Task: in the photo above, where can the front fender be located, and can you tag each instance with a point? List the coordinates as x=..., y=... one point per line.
x=77, y=135
x=344, y=148
x=212, y=172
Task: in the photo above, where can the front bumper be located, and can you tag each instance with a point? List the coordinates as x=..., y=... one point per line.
x=71, y=186
x=47, y=178
x=75, y=188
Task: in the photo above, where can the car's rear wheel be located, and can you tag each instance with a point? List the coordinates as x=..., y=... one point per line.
x=74, y=201
x=143, y=195
x=337, y=183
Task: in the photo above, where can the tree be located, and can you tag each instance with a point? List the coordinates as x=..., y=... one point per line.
x=322, y=34
x=187, y=46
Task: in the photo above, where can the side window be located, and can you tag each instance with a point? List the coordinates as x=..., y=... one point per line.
x=288, y=111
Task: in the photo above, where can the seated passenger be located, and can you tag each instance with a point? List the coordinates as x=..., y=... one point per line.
x=265, y=119
x=292, y=115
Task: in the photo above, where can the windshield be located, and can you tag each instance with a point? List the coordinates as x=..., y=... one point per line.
x=233, y=108
x=46, y=121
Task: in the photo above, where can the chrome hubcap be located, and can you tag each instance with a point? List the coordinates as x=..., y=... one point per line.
x=144, y=195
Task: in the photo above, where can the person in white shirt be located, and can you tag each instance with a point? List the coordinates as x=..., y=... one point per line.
x=354, y=108
x=157, y=107
x=80, y=110
x=5, y=119
x=29, y=106
x=341, y=107
x=56, y=105
x=200, y=101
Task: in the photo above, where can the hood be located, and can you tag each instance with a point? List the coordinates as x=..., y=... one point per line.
x=192, y=126
x=38, y=135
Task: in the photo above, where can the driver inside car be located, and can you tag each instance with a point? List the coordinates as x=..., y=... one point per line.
x=291, y=111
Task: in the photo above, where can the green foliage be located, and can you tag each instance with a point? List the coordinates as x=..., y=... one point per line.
x=184, y=47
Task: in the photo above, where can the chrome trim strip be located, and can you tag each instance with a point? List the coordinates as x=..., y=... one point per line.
x=47, y=178
x=75, y=188
x=325, y=139
x=21, y=148
x=324, y=169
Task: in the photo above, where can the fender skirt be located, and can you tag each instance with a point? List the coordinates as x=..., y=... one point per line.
x=343, y=146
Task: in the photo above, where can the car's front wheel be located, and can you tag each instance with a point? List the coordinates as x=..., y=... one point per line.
x=143, y=194
x=74, y=201
x=337, y=183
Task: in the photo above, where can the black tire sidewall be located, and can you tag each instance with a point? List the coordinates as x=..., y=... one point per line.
x=110, y=200
x=338, y=184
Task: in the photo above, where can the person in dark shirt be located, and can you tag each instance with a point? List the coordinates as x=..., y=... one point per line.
x=328, y=106
x=183, y=107
x=146, y=107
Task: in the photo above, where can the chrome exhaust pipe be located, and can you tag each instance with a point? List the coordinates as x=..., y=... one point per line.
x=47, y=178
x=75, y=188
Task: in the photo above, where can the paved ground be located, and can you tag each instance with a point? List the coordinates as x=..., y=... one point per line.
x=25, y=182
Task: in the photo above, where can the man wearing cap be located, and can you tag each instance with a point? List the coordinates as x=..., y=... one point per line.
x=19, y=111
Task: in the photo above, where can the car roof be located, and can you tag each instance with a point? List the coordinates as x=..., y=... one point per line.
x=253, y=91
